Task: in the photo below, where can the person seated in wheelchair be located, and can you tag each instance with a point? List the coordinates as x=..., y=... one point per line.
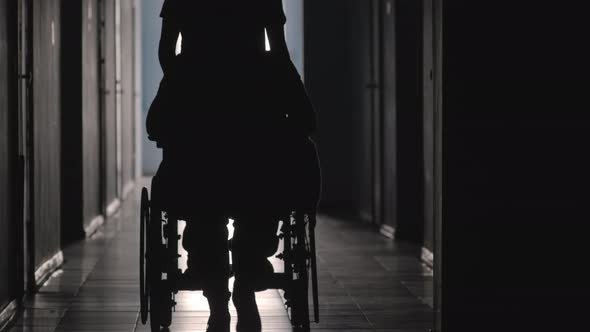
x=234, y=122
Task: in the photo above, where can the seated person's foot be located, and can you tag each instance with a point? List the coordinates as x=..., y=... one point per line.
x=219, y=318
x=219, y=322
x=248, y=316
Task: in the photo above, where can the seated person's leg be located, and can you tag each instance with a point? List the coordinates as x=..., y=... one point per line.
x=205, y=239
x=255, y=238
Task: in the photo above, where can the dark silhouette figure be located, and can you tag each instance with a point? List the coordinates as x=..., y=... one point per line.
x=234, y=122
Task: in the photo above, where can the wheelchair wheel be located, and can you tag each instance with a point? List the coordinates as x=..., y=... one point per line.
x=159, y=290
x=301, y=254
x=143, y=225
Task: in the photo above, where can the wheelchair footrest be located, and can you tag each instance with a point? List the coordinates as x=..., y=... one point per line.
x=184, y=283
x=275, y=281
x=271, y=281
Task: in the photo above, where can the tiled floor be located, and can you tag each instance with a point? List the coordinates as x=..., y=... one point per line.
x=367, y=283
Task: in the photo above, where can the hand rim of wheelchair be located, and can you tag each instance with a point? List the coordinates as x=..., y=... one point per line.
x=159, y=290
x=303, y=261
x=152, y=302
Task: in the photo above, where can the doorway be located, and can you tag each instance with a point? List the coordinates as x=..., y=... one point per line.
x=403, y=125
x=409, y=142
x=11, y=222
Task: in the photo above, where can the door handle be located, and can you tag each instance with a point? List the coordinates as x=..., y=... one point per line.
x=27, y=77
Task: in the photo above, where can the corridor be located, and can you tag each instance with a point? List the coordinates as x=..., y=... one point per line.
x=367, y=283
x=451, y=135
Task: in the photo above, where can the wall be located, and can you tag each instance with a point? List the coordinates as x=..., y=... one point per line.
x=46, y=119
x=127, y=95
x=515, y=199
x=294, y=31
x=151, y=76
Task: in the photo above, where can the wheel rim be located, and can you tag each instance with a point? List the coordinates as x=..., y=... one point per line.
x=144, y=219
x=156, y=286
x=300, y=250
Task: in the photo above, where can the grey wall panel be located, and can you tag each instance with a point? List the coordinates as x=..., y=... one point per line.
x=109, y=101
x=46, y=128
x=127, y=91
x=151, y=75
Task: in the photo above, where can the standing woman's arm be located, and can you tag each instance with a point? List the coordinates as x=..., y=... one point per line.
x=169, y=35
x=303, y=114
x=275, y=27
x=276, y=38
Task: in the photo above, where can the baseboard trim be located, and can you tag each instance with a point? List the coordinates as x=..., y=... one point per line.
x=94, y=226
x=47, y=268
x=427, y=257
x=387, y=231
x=8, y=315
x=113, y=207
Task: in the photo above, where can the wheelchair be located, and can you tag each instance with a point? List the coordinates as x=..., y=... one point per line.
x=161, y=279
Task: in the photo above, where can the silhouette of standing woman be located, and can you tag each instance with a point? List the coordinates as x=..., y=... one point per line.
x=229, y=115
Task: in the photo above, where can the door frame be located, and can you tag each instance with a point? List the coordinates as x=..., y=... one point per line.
x=378, y=141
x=25, y=132
x=375, y=86
x=438, y=160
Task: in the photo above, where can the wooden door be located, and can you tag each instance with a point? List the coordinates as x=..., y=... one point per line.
x=109, y=130
x=409, y=126
x=81, y=143
x=126, y=95
x=92, y=205
x=44, y=135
